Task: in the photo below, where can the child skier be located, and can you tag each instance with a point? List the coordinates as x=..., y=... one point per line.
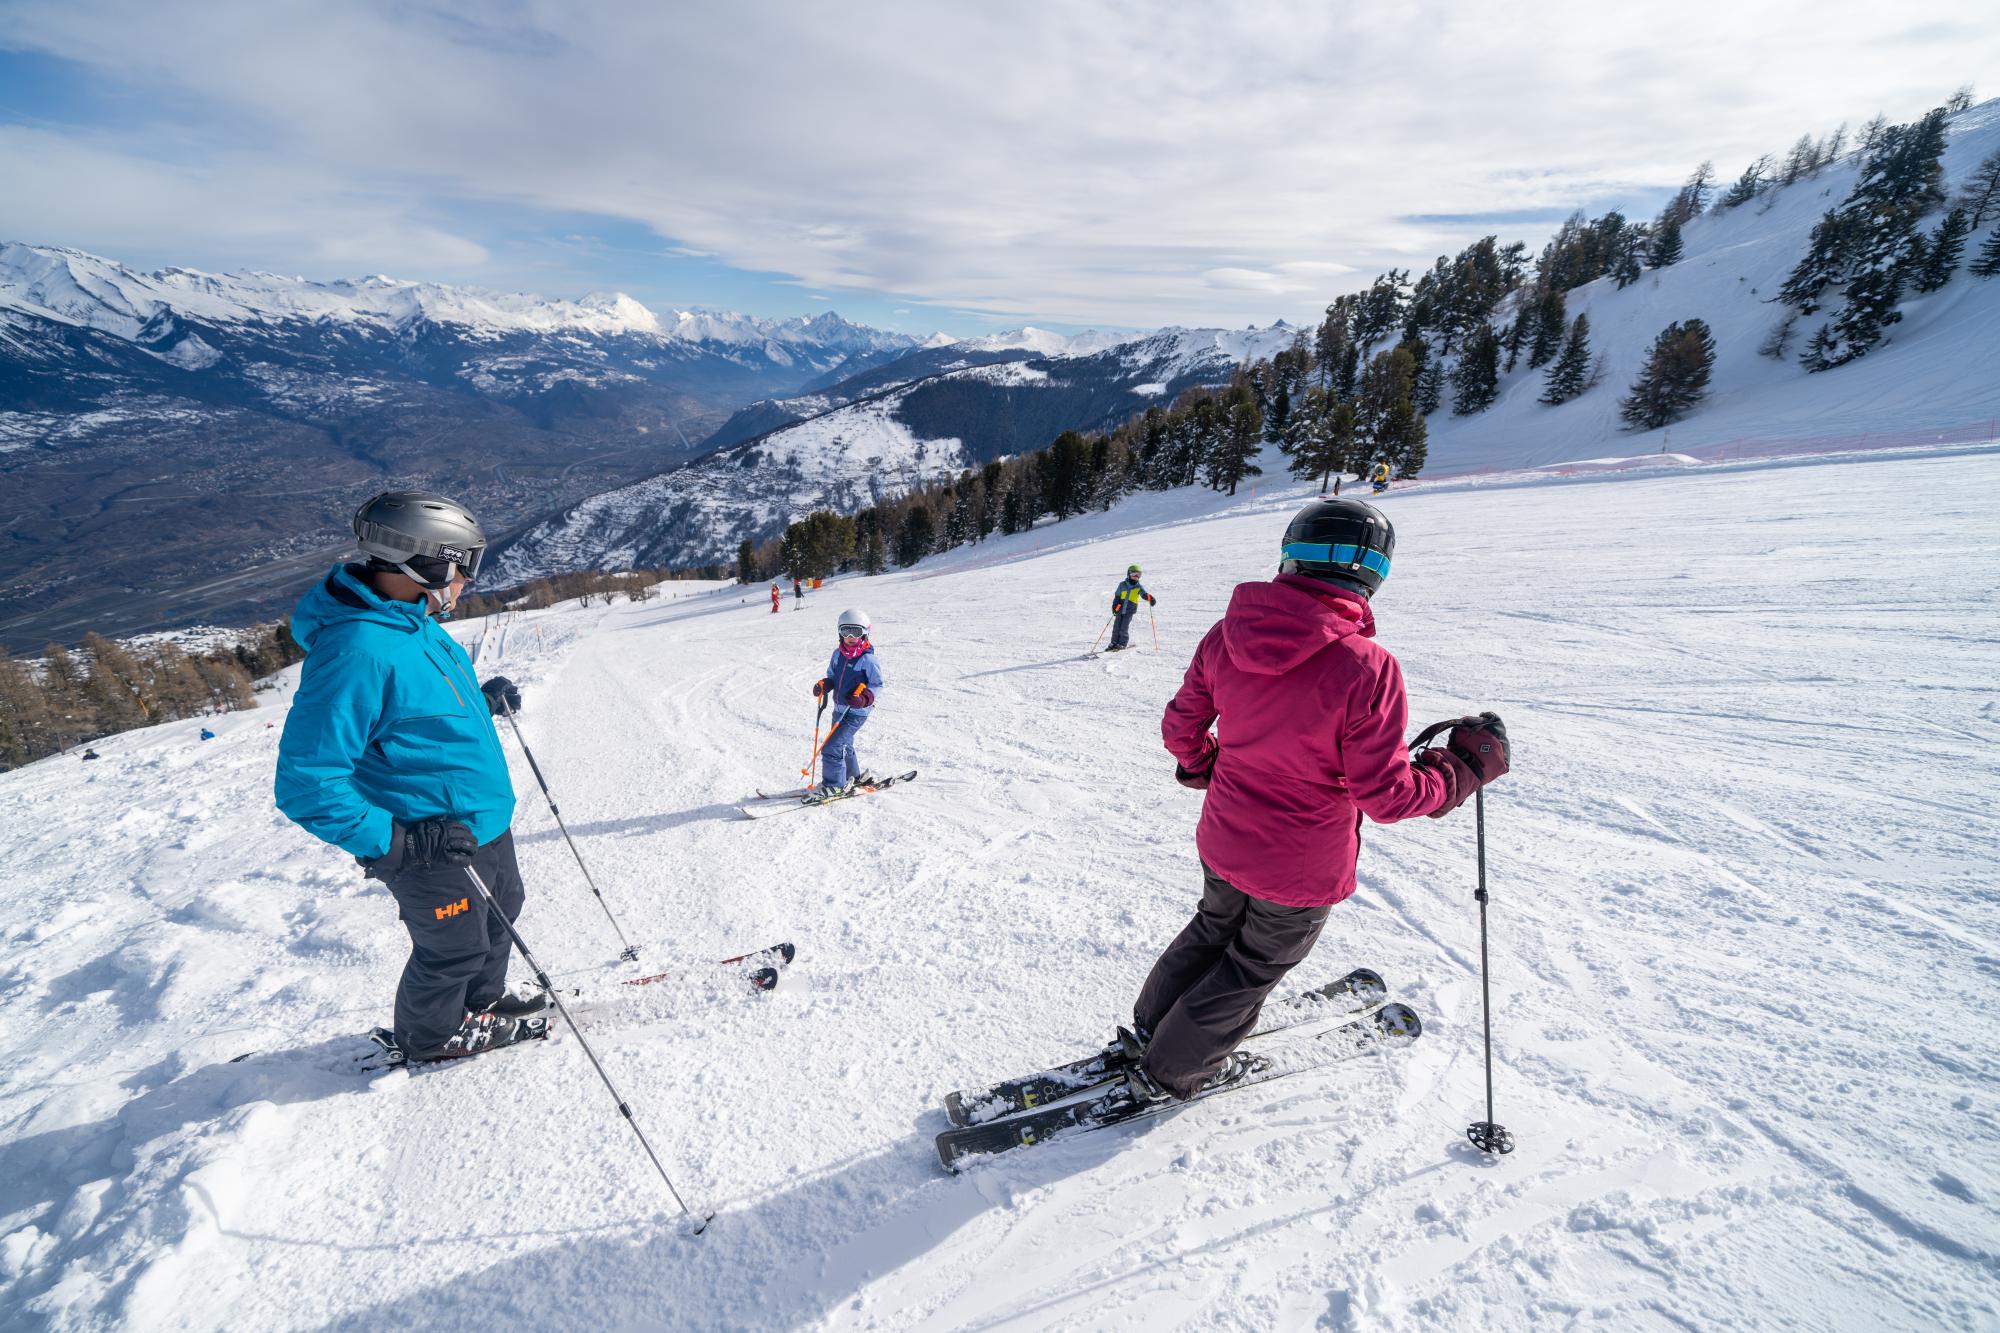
x=775, y=596
x=852, y=677
x=1125, y=605
x=1310, y=714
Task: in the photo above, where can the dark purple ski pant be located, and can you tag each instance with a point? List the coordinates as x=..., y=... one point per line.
x=1204, y=993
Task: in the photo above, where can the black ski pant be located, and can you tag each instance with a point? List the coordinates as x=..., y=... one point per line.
x=458, y=948
x=1121, y=627
x=1204, y=993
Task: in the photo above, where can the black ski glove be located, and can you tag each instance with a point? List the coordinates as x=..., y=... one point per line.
x=1473, y=755
x=502, y=696
x=1198, y=777
x=422, y=846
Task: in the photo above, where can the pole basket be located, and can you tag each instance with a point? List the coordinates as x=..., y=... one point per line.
x=1489, y=1138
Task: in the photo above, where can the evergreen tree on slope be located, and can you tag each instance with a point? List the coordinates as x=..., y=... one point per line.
x=1674, y=378
x=1570, y=374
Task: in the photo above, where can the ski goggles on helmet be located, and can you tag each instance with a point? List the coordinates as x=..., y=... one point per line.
x=434, y=571
x=853, y=631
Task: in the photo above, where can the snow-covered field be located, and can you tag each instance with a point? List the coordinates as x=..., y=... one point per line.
x=1744, y=959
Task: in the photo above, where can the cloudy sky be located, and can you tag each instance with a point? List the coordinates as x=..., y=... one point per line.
x=915, y=166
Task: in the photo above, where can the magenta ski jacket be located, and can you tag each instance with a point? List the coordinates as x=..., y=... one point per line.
x=1309, y=714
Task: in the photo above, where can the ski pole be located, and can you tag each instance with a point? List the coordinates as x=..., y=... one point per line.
x=1153, y=617
x=700, y=1220
x=1486, y=1135
x=630, y=953
x=1100, y=634
x=806, y=772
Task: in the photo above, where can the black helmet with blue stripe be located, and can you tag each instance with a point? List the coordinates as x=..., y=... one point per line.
x=1342, y=542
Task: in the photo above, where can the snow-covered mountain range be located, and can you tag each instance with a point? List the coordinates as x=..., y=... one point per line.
x=921, y=417
x=227, y=422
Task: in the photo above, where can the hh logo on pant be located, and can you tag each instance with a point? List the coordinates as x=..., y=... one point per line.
x=453, y=909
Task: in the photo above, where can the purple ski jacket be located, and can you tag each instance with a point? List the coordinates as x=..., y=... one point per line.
x=1309, y=714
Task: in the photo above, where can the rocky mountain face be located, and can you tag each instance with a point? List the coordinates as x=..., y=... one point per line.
x=926, y=415
x=179, y=446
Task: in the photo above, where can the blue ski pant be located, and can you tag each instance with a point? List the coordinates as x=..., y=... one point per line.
x=1121, y=627
x=838, y=762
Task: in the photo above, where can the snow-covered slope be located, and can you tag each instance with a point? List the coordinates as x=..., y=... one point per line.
x=1939, y=367
x=1742, y=959
x=844, y=460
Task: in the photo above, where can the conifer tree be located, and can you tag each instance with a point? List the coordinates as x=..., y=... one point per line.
x=1748, y=186
x=1430, y=387
x=1386, y=420
x=1666, y=247
x=746, y=562
x=1551, y=320
x=1514, y=338
x=913, y=543
x=1820, y=350
x=1987, y=263
x=1281, y=413
x=1961, y=100
x=1229, y=459
x=1980, y=195
x=1476, y=381
x=1946, y=246
x=1825, y=263
x=1570, y=374
x=1674, y=378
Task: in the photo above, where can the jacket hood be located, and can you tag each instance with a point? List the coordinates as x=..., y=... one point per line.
x=1272, y=627
x=342, y=597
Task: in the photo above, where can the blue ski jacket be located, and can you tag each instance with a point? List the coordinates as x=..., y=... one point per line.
x=844, y=676
x=388, y=724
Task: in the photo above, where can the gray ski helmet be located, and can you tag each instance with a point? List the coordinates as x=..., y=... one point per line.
x=428, y=537
x=1343, y=542
x=854, y=619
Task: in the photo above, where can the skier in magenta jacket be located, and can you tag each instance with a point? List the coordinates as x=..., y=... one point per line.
x=1310, y=714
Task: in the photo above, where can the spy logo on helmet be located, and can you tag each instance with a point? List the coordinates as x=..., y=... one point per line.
x=451, y=553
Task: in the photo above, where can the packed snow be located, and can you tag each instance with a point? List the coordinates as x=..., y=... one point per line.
x=1743, y=958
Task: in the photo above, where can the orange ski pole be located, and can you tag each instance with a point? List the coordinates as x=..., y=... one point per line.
x=806, y=772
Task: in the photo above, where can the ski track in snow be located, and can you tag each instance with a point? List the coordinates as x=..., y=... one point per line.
x=1744, y=942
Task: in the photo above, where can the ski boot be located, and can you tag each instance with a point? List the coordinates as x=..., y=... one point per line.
x=517, y=1004
x=477, y=1034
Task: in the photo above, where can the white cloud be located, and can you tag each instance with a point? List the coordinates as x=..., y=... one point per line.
x=1124, y=163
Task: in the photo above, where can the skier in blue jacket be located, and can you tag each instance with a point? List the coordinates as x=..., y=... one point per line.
x=390, y=753
x=852, y=677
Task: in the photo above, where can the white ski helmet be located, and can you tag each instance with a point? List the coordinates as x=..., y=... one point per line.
x=856, y=620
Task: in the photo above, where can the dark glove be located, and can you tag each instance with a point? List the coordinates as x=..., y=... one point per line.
x=1152, y=600
x=1198, y=777
x=502, y=696
x=423, y=845
x=863, y=697
x=1473, y=755
x=819, y=687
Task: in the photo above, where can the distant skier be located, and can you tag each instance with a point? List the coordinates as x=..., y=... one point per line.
x=90, y=754
x=798, y=595
x=852, y=677
x=1378, y=478
x=390, y=753
x=1310, y=714
x=1125, y=601
x=776, y=597
x=207, y=735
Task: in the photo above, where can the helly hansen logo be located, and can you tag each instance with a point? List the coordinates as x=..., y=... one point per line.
x=453, y=909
